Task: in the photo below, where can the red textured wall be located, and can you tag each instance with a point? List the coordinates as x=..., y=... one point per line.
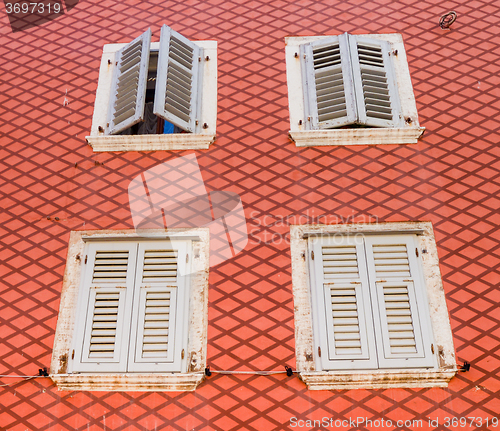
x=48, y=76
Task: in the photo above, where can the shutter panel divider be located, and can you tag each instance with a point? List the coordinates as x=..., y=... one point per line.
x=177, y=93
x=128, y=88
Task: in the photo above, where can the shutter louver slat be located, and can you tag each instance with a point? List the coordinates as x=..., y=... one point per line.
x=102, y=341
x=340, y=262
x=155, y=339
x=375, y=83
x=110, y=267
x=399, y=302
x=328, y=84
x=329, y=81
x=128, y=90
x=398, y=306
x=344, y=305
x=345, y=321
x=160, y=266
x=177, y=94
x=391, y=261
x=373, y=315
x=157, y=336
x=102, y=326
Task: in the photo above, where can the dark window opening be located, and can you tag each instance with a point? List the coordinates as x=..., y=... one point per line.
x=152, y=124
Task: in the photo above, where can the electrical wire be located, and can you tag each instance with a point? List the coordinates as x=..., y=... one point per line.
x=258, y=373
x=23, y=379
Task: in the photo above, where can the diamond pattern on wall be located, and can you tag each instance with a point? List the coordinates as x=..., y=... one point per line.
x=52, y=183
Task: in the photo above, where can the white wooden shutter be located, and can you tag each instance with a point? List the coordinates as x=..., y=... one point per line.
x=158, y=322
x=328, y=83
x=103, y=325
x=375, y=82
x=402, y=323
x=177, y=93
x=344, y=319
x=128, y=89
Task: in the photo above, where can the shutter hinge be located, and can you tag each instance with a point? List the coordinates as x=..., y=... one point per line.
x=182, y=354
x=187, y=258
x=416, y=251
x=73, y=354
x=86, y=256
x=432, y=348
x=312, y=255
x=319, y=351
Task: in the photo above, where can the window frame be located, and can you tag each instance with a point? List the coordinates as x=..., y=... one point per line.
x=202, y=139
x=407, y=133
x=307, y=334
x=194, y=342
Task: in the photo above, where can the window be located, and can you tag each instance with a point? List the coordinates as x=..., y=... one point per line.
x=137, y=316
x=370, y=309
x=155, y=96
x=350, y=89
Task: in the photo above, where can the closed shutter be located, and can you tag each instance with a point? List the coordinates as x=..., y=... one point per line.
x=400, y=305
x=128, y=89
x=328, y=83
x=345, y=322
x=375, y=82
x=157, y=331
x=177, y=93
x=103, y=326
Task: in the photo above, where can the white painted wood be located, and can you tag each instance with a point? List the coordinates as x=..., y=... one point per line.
x=178, y=93
x=402, y=324
x=128, y=88
x=158, y=333
x=375, y=82
x=103, y=325
x=328, y=83
x=341, y=304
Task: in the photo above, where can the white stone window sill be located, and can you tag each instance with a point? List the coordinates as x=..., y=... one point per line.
x=377, y=379
x=177, y=141
x=368, y=136
x=128, y=382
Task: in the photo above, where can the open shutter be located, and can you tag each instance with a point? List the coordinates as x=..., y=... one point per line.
x=177, y=92
x=128, y=89
x=400, y=310
x=345, y=322
x=103, y=326
x=157, y=329
x=375, y=82
x=328, y=83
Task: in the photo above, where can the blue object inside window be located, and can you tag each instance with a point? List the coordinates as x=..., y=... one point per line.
x=168, y=127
